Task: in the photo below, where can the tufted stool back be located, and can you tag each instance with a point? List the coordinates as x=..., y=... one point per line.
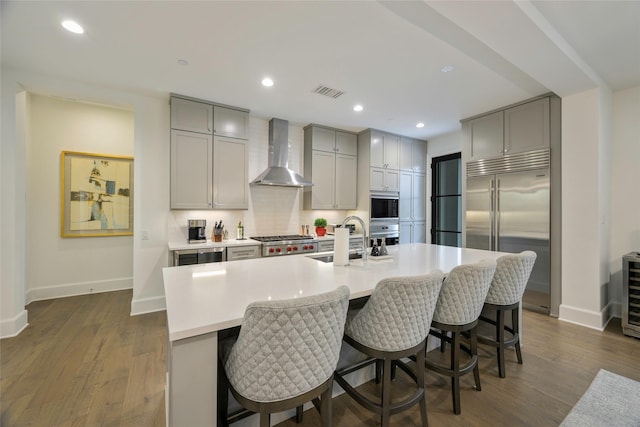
x=286, y=348
x=510, y=279
x=463, y=293
x=398, y=313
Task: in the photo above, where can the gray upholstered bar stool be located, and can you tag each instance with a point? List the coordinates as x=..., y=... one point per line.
x=459, y=305
x=285, y=355
x=505, y=294
x=392, y=325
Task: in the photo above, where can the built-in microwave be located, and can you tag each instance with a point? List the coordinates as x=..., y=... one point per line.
x=384, y=207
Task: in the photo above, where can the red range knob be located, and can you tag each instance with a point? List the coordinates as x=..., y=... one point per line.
x=305, y=247
x=271, y=250
x=310, y=247
x=288, y=248
x=278, y=250
x=295, y=248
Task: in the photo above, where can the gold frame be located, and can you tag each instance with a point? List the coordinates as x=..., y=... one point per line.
x=96, y=195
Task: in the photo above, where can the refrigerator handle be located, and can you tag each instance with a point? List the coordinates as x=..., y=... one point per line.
x=491, y=212
x=497, y=226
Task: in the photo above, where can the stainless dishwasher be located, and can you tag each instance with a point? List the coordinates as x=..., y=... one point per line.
x=199, y=256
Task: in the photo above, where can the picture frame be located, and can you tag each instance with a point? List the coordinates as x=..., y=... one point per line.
x=96, y=195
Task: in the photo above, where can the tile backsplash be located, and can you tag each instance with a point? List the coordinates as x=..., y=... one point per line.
x=272, y=210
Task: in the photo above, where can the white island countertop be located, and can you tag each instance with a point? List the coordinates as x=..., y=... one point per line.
x=206, y=298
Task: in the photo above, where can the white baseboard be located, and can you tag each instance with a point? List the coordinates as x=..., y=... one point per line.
x=12, y=327
x=83, y=288
x=590, y=319
x=147, y=305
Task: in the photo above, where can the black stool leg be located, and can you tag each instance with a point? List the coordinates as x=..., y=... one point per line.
x=515, y=321
x=325, y=408
x=386, y=392
x=299, y=414
x=420, y=384
x=455, y=368
x=500, y=340
x=474, y=354
x=223, y=397
x=265, y=418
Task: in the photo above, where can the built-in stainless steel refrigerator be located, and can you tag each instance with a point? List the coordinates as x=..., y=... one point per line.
x=508, y=210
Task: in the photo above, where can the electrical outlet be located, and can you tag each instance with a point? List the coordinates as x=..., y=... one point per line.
x=145, y=235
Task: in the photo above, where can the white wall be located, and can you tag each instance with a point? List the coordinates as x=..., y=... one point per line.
x=584, y=217
x=625, y=181
x=13, y=316
x=440, y=146
x=151, y=178
x=71, y=266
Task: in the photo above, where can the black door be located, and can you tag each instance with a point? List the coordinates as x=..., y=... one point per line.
x=446, y=200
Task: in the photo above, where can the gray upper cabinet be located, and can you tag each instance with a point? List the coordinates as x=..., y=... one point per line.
x=526, y=127
x=413, y=155
x=191, y=116
x=518, y=129
x=230, y=174
x=191, y=170
x=330, y=163
x=487, y=136
x=230, y=122
x=207, y=171
x=385, y=150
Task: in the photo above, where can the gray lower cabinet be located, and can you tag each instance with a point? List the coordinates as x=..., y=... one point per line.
x=235, y=253
x=413, y=232
x=355, y=243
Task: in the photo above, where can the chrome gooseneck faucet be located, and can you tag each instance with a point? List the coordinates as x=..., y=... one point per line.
x=364, y=234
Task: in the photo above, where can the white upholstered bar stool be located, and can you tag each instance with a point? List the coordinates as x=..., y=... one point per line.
x=505, y=294
x=393, y=324
x=459, y=305
x=286, y=354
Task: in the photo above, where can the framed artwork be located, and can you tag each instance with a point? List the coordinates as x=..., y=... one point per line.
x=97, y=195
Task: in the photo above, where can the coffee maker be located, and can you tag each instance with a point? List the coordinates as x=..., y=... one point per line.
x=197, y=230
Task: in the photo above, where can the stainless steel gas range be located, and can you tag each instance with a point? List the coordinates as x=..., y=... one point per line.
x=287, y=245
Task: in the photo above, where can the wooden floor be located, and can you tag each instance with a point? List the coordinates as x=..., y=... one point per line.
x=83, y=361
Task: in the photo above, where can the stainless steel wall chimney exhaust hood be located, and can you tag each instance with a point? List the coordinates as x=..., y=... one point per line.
x=278, y=172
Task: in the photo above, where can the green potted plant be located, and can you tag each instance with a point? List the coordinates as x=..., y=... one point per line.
x=320, y=224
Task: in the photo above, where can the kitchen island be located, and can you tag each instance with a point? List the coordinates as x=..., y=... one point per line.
x=204, y=300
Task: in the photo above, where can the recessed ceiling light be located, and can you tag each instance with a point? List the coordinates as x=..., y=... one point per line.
x=72, y=26
x=267, y=82
x=420, y=125
x=183, y=62
x=358, y=107
x=447, y=68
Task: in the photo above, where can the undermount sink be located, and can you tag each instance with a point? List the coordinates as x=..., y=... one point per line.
x=329, y=257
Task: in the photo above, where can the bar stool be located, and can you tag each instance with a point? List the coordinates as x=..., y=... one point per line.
x=459, y=306
x=505, y=294
x=285, y=355
x=392, y=325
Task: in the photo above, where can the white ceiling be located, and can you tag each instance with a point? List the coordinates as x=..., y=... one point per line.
x=384, y=55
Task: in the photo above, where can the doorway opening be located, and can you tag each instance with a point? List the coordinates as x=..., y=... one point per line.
x=446, y=200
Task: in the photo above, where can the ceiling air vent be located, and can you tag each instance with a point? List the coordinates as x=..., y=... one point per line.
x=327, y=91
